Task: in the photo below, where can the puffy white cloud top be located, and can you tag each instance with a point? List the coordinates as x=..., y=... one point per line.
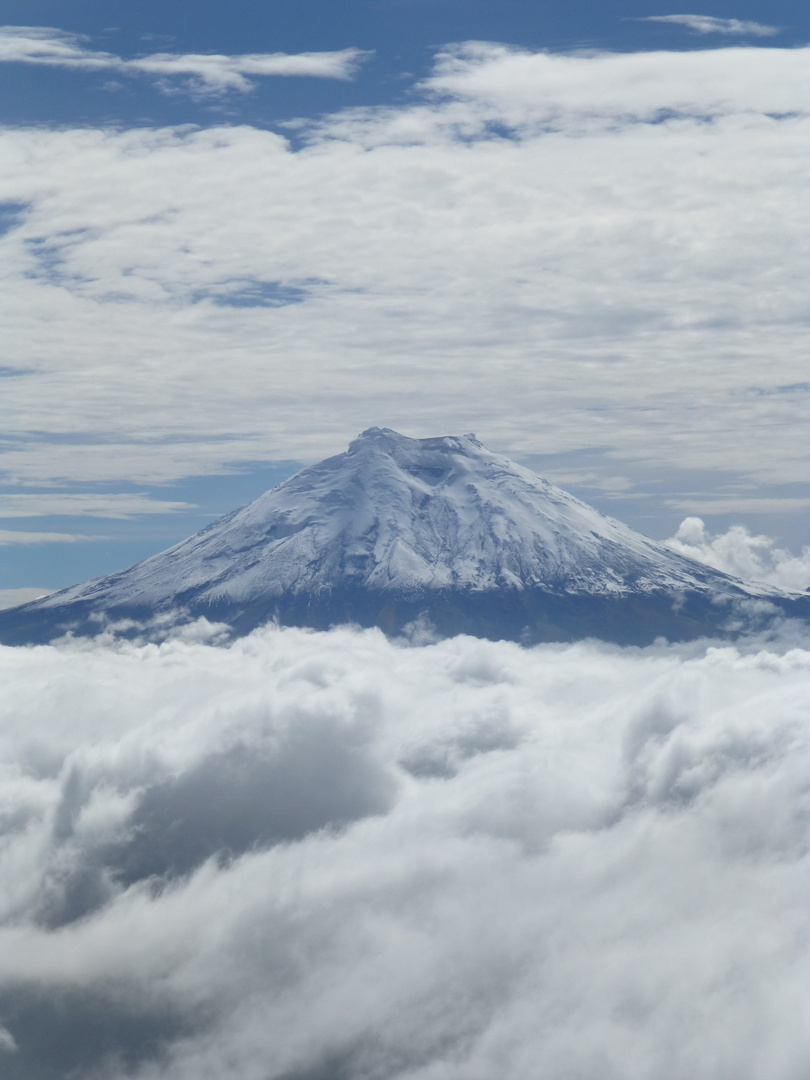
x=744, y=555
x=328, y=855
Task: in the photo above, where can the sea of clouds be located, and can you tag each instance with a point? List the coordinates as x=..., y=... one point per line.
x=329, y=856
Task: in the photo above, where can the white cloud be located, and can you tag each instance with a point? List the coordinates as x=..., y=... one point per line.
x=203, y=73
x=557, y=252
x=734, y=504
x=17, y=536
x=84, y=504
x=708, y=24
x=738, y=552
x=484, y=84
x=14, y=597
x=465, y=859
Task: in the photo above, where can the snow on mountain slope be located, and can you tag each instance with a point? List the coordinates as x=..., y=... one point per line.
x=404, y=515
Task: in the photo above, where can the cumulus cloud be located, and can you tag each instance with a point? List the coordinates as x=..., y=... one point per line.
x=480, y=89
x=310, y=855
x=740, y=553
x=708, y=24
x=202, y=73
x=557, y=252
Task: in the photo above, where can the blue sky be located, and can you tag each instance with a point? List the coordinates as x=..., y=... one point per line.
x=401, y=35
x=234, y=235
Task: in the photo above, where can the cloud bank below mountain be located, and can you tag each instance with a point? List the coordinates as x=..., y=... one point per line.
x=327, y=855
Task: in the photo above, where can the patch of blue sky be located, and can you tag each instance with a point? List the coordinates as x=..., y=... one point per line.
x=255, y=293
x=793, y=388
x=114, y=543
x=216, y=495
x=11, y=215
x=57, y=565
x=49, y=255
x=770, y=391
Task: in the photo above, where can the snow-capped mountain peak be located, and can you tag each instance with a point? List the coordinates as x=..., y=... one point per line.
x=405, y=514
x=397, y=529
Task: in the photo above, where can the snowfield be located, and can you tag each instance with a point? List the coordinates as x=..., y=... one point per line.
x=410, y=514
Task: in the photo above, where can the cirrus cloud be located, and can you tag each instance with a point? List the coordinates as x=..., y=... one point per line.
x=17, y=536
x=708, y=24
x=203, y=73
x=84, y=504
x=561, y=253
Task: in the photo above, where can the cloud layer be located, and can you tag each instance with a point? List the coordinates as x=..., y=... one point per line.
x=199, y=73
x=561, y=253
x=312, y=855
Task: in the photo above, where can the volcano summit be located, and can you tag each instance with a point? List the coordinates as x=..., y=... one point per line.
x=397, y=530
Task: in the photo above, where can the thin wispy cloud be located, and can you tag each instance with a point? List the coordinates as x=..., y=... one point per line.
x=708, y=24
x=14, y=536
x=200, y=73
x=85, y=504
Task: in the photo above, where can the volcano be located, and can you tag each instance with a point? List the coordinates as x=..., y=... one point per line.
x=397, y=532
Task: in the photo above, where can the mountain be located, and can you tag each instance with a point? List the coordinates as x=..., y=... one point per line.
x=396, y=530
